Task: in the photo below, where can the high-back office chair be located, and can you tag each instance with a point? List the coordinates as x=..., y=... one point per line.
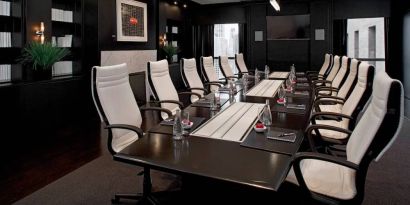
x=240, y=64
x=191, y=78
x=346, y=112
x=162, y=87
x=347, y=86
x=338, y=80
x=327, y=64
x=330, y=74
x=119, y=111
x=209, y=73
x=335, y=180
x=226, y=69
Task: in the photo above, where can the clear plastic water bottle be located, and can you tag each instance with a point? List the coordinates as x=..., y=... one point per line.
x=267, y=70
x=256, y=76
x=231, y=92
x=267, y=117
x=177, y=128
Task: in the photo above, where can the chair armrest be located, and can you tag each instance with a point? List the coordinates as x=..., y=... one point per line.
x=331, y=97
x=219, y=84
x=321, y=81
x=315, y=115
x=314, y=72
x=203, y=89
x=317, y=156
x=180, y=104
x=319, y=102
x=190, y=93
x=316, y=128
x=158, y=109
x=126, y=127
x=325, y=88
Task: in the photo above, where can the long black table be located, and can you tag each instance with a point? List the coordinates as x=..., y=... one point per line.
x=218, y=159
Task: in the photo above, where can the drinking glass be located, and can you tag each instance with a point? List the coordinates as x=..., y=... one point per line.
x=185, y=121
x=215, y=100
x=281, y=92
x=288, y=85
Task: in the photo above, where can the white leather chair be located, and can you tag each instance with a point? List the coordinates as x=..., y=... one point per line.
x=163, y=89
x=240, y=64
x=226, y=69
x=209, y=73
x=337, y=81
x=335, y=180
x=191, y=78
x=331, y=74
x=345, y=112
x=118, y=109
x=327, y=64
x=347, y=86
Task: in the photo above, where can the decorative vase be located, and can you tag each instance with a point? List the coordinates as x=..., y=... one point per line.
x=42, y=74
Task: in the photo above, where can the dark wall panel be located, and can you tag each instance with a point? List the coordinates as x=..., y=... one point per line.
x=107, y=27
x=361, y=8
x=256, y=54
x=320, y=18
x=283, y=53
x=222, y=13
x=406, y=60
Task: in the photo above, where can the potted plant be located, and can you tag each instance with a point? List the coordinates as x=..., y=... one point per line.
x=170, y=51
x=41, y=58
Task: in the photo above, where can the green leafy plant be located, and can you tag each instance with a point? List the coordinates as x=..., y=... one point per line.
x=43, y=56
x=170, y=50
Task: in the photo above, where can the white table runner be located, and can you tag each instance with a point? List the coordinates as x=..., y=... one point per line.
x=266, y=88
x=280, y=75
x=231, y=124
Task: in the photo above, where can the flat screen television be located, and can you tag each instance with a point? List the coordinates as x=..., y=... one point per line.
x=288, y=27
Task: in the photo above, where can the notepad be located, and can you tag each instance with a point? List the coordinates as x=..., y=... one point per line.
x=286, y=138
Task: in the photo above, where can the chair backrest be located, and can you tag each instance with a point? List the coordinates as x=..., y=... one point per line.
x=326, y=64
x=161, y=85
x=378, y=128
x=351, y=79
x=240, y=63
x=341, y=75
x=361, y=92
x=208, y=71
x=115, y=103
x=226, y=69
x=191, y=77
x=335, y=68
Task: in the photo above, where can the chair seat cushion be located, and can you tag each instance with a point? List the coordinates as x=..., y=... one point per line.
x=331, y=108
x=333, y=134
x=326, y=178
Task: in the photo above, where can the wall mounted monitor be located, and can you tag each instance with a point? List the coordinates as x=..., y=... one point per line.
x=288, y=27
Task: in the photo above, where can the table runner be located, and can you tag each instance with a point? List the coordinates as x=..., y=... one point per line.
x=279, y=75
x=266, y=88
x=231, y=124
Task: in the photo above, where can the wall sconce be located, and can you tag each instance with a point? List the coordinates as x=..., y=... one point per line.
x=40, y=33
x=162, y=39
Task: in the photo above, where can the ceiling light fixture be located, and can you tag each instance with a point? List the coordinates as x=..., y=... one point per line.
x=275, y=5
x=185, y=5
x=175, y=2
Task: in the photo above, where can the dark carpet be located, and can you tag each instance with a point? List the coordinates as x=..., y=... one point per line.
x=388, y=181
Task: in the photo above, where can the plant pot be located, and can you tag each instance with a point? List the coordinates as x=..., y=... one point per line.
x=39, y=74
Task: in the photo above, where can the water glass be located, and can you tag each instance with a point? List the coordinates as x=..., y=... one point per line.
x=215, y=100
x=281, y=93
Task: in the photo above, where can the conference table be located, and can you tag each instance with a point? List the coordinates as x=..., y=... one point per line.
x=250, y=160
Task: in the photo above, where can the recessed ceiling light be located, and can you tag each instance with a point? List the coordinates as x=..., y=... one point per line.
x=175, y=2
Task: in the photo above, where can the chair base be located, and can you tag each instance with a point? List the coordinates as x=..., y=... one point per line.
x=142, y=199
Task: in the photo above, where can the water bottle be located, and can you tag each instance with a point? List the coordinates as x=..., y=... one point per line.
x=267, y=70
x=267, y=117
x=231, y=92
x=177, y=128
x=256, y=76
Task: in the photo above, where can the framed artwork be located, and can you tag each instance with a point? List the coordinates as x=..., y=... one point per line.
x=131, y=21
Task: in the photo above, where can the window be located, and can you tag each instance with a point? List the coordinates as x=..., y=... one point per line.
x=372, y=43
x=356, y=44
x=226, y=43
x=368, y=40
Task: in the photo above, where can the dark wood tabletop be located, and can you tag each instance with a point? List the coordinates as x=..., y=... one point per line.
x=218, y=159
